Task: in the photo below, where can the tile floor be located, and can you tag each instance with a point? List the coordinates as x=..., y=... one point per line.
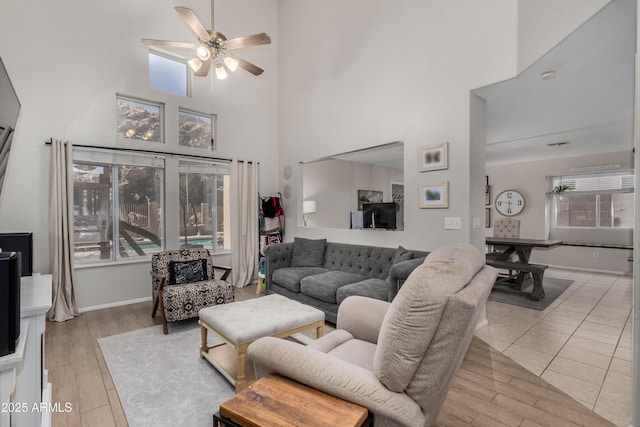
x=581, y=343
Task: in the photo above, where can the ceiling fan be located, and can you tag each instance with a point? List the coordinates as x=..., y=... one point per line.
x=213, y=47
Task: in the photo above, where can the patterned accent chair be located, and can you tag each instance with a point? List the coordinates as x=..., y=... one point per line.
x=183, y=282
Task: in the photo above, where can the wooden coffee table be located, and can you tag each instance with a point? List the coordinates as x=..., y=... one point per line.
x=240, y=323
x=276, y=401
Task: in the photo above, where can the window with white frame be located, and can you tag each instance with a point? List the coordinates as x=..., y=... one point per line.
x=205, y=205
x=118, y=205
x=595, y=201
x=140, y=119
x=168, y=74
x=196, y=129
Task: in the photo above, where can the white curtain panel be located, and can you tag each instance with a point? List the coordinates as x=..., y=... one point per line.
x=61, y=240
x=244, y=222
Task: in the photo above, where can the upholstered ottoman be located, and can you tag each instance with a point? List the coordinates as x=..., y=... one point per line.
x=240, y=323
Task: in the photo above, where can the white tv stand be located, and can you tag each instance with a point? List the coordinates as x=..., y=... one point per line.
x=25, y=391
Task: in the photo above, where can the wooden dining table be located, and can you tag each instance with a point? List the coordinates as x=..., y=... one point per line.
x=522, y=248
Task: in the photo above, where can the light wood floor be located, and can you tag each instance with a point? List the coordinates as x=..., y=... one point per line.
x=489, y=390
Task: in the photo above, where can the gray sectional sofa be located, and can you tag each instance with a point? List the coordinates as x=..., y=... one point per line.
x=322, y=274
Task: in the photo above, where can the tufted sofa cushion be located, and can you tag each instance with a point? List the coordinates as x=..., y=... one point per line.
x=414, y=315
x=323, y=286
x=368, y=261
x=290, y=277
x=372, y=288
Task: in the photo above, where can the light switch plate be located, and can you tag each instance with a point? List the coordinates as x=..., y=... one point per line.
x=476, y=223
x=452, y=223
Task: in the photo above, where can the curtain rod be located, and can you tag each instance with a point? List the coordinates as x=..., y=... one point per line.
x=164, y=153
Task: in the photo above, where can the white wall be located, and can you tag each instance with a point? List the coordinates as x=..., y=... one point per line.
x=340, y=75
x=67, y=60
x=530, y=178
x=542, y=24
x=359, y=73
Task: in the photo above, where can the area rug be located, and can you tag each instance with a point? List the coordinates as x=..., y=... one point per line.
x=553, y=288
x=161, y=380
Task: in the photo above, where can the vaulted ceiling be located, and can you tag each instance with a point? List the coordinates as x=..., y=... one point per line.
x=587, y=108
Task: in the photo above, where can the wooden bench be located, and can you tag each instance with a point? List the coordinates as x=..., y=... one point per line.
x=536, y=270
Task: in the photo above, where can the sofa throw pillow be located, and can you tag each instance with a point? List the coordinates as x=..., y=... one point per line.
x=181, y=272
x=308, y=252
x=402, y=255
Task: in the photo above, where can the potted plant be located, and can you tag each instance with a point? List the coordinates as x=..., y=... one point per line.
x=560, y=189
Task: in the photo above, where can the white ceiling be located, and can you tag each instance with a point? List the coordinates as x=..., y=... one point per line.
x=589, y=103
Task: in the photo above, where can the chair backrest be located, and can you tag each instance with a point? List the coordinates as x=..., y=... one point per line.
x=506, y=227
x=429, y=325
x=160, y=261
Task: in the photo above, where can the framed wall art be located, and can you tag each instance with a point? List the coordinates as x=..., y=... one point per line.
x=368, y=196
x=433, y=157
x=434, y=195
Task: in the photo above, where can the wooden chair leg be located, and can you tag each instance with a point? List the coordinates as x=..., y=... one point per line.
x=165, y=325
x=155, y=306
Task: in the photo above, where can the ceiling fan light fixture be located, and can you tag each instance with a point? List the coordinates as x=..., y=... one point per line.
x=212, y=47
x=231, y=63
x=195, y=64
x=203, y=53
x=221, y=73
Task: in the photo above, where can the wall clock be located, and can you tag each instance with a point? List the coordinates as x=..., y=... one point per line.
x=509, y=203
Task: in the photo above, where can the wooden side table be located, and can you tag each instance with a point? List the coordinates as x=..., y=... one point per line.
x=276, y=401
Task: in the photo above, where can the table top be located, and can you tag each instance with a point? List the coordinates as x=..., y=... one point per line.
x=271, y=315
x=515, y=241
x=276, y=401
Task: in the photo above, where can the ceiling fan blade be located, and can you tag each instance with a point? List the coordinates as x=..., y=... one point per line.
x=253, y=69
x=253, y=40
x=167, y=43
x=192, y=21
x=204, y=69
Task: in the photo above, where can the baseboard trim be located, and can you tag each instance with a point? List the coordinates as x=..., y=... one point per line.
x=482, y=323
x=114, y=304
x=589, y=270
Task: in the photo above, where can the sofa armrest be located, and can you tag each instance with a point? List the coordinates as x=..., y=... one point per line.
x=335, y=376
x=276, y=256
x=362, y=317
x=400, y=272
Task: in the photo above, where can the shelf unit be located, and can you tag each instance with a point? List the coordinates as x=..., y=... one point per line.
x=24, y=382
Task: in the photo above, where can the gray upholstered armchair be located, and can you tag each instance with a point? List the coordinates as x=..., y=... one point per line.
x=395, y=358
x=183, y=281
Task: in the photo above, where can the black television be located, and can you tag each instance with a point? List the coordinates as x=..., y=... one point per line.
x=19, y=242
x=380, y=215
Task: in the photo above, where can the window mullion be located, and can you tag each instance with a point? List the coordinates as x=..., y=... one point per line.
x=214, y=213
x=116, y=211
